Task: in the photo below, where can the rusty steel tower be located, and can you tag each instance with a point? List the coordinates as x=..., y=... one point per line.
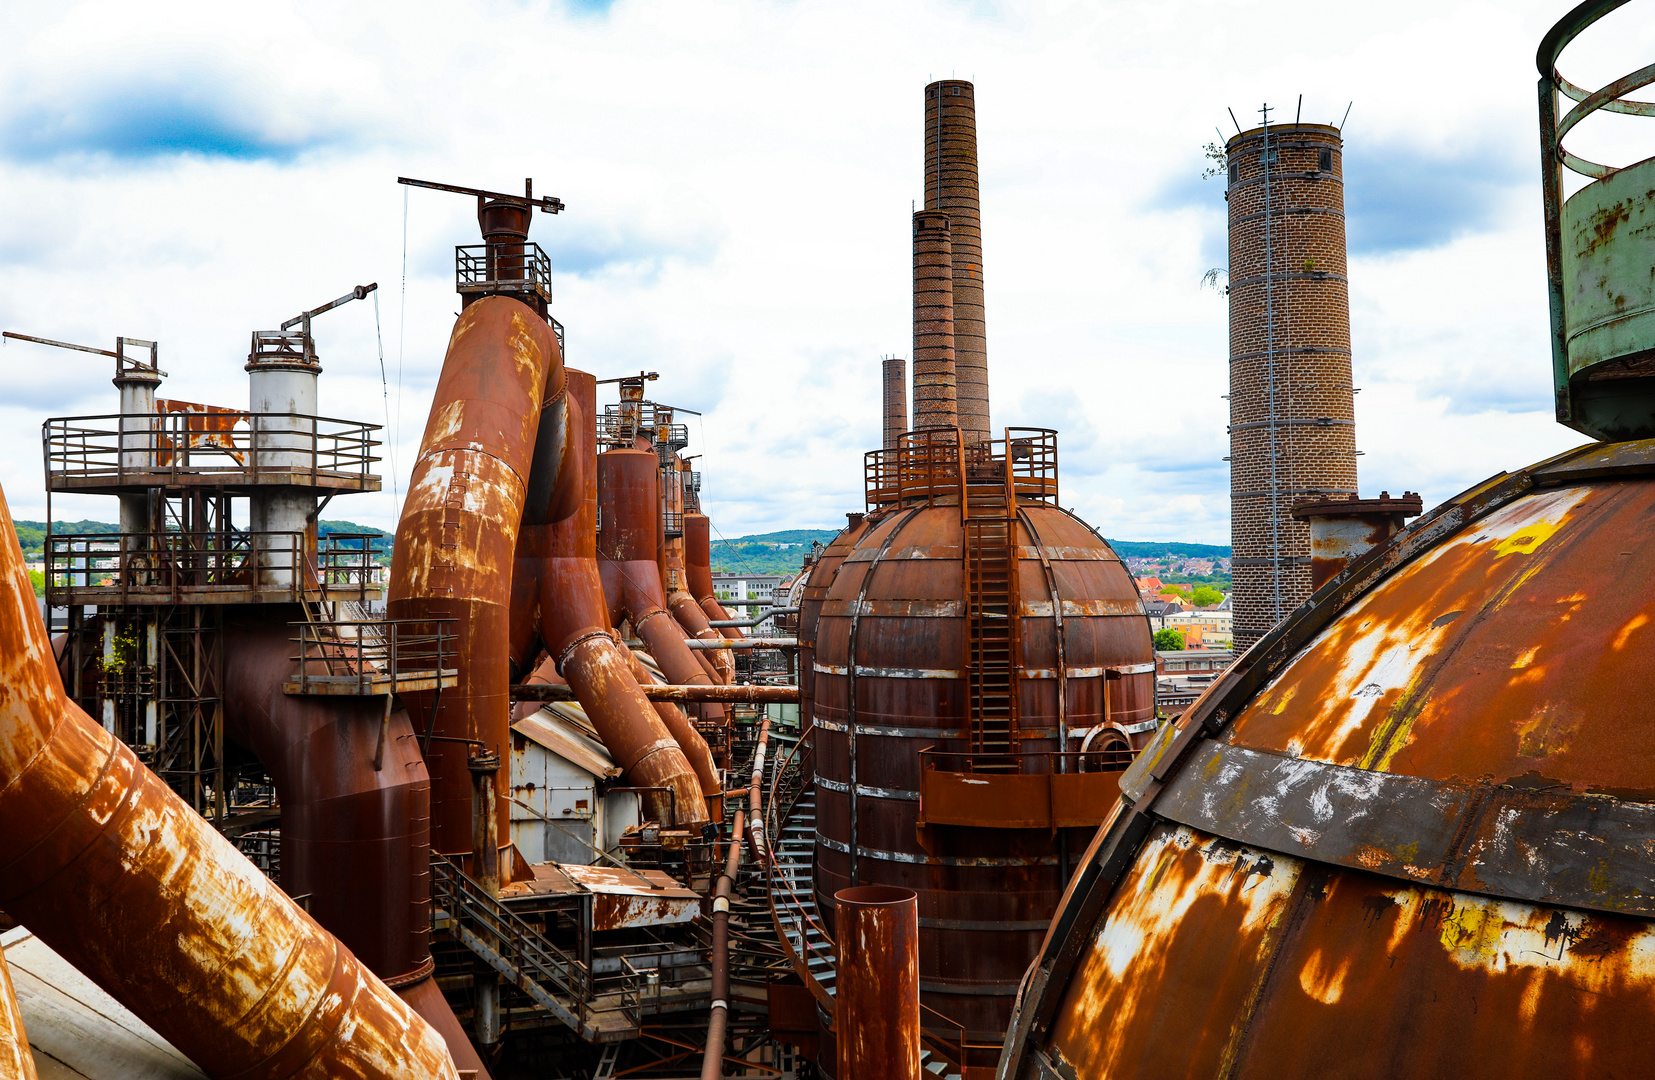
x=1292, y=414
x=951, y=187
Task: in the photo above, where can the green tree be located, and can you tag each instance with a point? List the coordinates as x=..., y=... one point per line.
x=1169, y=640
x=39, y=581
x=1182, y=591
x=1206, y=596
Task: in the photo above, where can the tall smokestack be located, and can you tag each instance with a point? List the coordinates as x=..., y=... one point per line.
x=951, y=186
x=896, y=400
x=934, y=386
x=1292, y=411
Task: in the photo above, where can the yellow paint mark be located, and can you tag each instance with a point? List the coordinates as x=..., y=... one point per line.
x=1627, y=631
x=1473, y=929
x=1525, y=658
x=1286, y=697
x=1528, y=538
x=1392, y=734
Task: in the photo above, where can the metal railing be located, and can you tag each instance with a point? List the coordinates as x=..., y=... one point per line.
x=156, y=449
x=503, y=268
x=373, y=656
x=172, y=563
x=933, y=463
x=553, y=978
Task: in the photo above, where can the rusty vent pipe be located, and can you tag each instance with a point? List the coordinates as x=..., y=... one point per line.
x=556, y=580
x=628, y=544
x=876, y=995
x=455, y=542
x=110, y=869
x=934, y=368
x=698, y=554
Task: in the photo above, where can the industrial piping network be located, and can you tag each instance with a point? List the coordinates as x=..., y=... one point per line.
x=114, y=872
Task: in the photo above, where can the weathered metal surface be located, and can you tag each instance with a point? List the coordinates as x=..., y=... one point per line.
x=726, y=645
x=1598, y=245
x=912, y=624
x=628, y=545
x=558, y=596
x=660, y=692
x=455, y=543
x=127, y=883
x=812, y=596
x=1417, y=816
x=876, y=986
x=16, y=1059
x=626, y=898
x=994, y=800
x=355, y=838
x=699, y=571
x=1342, y=529
x=718, y=1023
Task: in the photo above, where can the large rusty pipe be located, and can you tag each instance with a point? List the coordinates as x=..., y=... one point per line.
x=110, y=869
x=876, y=987
x=698, y=566
x=718, y=1023
x=675, y=575
x=16, y=1059
x=455, y=542
x=695, y=747
x=627, y=547
x=693, y=619
x=557, y=561
x=355, y=838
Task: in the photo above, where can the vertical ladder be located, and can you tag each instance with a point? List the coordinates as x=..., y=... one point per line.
x=989, y=511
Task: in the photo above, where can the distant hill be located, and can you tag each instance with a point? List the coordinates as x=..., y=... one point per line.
x=32, y=534
x=1146, y=548
x=766, y=553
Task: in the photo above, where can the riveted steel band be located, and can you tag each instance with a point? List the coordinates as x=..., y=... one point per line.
x=931, y=860
x=1537, y=846
x=868, y=789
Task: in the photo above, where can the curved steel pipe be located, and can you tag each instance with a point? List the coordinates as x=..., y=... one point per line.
x=16, y=1059
x=695, y=747
x=456, y=540
x=355, y=838
x=115, y=873
x=718, y=1023
x=627, y=546
x=559, y=590
x=698, y=567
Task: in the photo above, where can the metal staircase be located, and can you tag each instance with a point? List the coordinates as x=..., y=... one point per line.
x=989, y=512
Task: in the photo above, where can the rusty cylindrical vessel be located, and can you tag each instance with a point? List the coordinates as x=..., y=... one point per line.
x=558, y=593
x=951, y=187
x=897, y=673
x=934, y=360
x=455, y=542
x=628, y=545
x=698, y=560
x=811, y=598
x=122, y=879
x=16, y=1059
x=876, y=983
x=1406, y=834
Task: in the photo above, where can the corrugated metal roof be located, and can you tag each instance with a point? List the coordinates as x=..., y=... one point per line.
x=561, y=736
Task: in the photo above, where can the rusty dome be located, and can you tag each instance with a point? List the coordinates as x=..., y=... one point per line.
x=1408, y=832
x=951, y=696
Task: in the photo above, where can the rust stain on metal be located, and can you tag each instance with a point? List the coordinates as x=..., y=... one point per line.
x=456, y=539
x=16, y=1060
x=123, y=880
x=876, y=989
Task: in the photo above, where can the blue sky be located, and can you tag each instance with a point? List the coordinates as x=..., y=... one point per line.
x=739, y=176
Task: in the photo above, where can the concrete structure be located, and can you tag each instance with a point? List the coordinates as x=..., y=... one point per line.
x=1292, y=415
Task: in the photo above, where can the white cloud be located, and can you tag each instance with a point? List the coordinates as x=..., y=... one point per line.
x=738, y=177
